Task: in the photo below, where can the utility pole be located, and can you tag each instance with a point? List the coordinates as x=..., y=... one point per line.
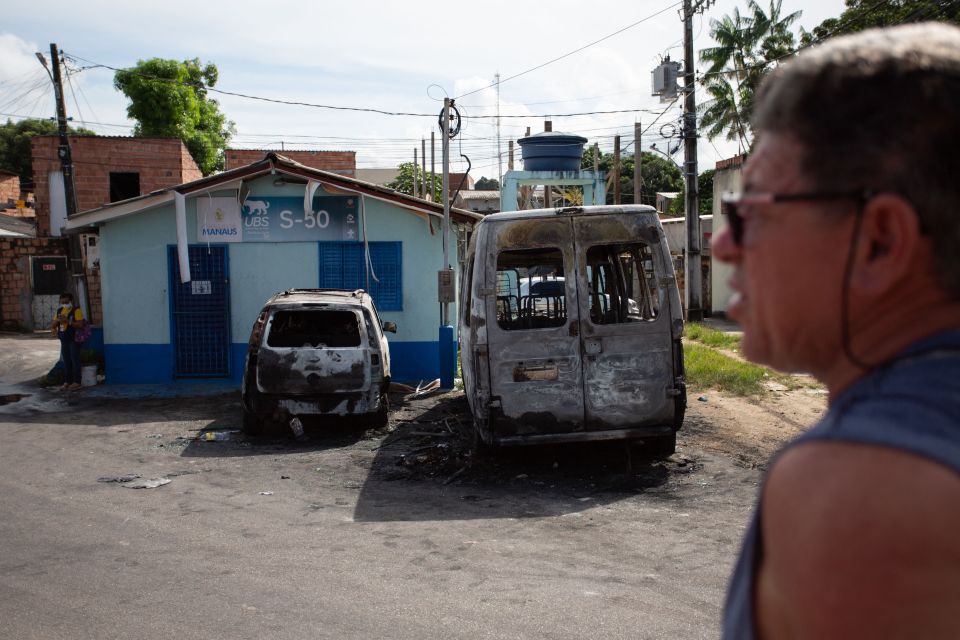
x=510, y=160
x=433, y=165
x=499, y=153
x=547, y=195
x=445, y=191
x=446, y=286
x=416, y=175
x=66, y=159
x=423, y=156
x=693, y=274
x=616, y=169
x=637, y=164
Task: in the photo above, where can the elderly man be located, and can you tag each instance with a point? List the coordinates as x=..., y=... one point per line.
x=845, y=246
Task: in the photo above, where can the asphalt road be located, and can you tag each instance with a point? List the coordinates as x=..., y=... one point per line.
x=348, y=534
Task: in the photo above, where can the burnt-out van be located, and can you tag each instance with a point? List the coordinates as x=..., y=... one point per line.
x=570, y=327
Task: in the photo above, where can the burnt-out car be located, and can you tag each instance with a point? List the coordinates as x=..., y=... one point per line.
x=316, y=352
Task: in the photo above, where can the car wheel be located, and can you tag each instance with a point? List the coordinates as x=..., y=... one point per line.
x=661, y=446
x=480, y=447
x=381, y=418
x=252, y=424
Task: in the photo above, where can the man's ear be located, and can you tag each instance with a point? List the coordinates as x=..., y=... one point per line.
x=889, y=246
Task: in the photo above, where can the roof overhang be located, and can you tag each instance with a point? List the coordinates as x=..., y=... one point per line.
x=271, y=164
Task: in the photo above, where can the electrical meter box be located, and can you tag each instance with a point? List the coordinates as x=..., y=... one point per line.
x=445, y=286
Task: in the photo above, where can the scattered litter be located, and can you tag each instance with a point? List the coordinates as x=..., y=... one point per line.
x=522, y=476
x=775, y=386
x=284, y=477
x=702, y=398
x=124, y=478
x=266, y=493
x=152, y=483
x=396, y=387
x=156, y=435
x=296, y=427
x=585, y=499
x=426, y=389
x=455, y=476
x=217, y=436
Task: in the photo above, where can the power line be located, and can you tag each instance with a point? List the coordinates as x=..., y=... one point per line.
x=578, y=50
x=343, y=108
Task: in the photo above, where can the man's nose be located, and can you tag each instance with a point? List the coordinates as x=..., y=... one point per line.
x=722, y=245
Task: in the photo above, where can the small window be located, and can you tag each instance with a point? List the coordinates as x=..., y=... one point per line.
x=622, y=284
x=314, y=329
x=531, y=290
x=343, y=266
x=124, y=185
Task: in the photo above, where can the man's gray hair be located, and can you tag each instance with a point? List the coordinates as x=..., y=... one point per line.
x=880, y=110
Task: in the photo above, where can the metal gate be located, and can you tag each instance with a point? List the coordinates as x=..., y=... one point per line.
x=200, y=311
x=49, y=279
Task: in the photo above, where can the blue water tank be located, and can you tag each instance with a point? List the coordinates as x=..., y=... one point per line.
x=551, y=151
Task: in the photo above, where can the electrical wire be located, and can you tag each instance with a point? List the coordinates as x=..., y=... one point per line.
x=568, y=54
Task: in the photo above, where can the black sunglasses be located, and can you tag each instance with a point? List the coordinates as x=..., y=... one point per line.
x=730, y=204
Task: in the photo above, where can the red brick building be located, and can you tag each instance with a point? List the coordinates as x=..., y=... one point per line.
x=106, y=169
x=342, y=162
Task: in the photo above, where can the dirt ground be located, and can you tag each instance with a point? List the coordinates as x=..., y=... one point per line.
x=362, y=533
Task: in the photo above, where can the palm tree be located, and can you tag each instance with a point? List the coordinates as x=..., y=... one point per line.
x=747, y=48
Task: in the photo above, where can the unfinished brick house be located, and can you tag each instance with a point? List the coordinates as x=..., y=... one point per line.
x=33, y=271
x=342, y=162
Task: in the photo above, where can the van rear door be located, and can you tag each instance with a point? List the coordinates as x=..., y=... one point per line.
x=311, y=350
x=625, y=321
x=536, y=383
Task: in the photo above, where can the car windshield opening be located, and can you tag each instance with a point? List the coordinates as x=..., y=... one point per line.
x=314, y=328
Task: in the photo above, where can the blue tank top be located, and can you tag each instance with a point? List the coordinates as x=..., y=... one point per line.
x=911, y=404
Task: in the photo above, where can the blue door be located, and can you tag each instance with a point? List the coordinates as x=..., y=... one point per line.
x=200, y=324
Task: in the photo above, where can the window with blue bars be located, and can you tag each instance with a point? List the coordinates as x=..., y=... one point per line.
x=342, y=267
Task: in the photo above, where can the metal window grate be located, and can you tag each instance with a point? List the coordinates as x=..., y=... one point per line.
x=342, y=267
x=201, y=313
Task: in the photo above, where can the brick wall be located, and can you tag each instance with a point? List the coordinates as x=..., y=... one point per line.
x=343, y=162
x=9, y=189
x=160, y=162
x=15, y=286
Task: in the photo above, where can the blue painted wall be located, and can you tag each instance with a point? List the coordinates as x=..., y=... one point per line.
x=136, y=301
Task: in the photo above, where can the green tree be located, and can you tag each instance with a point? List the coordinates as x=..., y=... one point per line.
x=747, y=48
x=404, y=182
x=658, y=174
x=487, y=184
x=704, y=195
x=15, y=152
x=866, y=14
x=169, y=98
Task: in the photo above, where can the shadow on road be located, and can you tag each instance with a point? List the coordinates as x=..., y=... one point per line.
x=425, y=470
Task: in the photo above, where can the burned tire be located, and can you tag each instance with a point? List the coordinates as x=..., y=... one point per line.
x=661, y=446
x=252, y=424
x=382, y=417
x=478, y=446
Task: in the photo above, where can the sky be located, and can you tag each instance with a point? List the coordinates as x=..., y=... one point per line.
x=385, y=55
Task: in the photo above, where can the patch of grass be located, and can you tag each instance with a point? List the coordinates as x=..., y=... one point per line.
x=708, y=368
x=711, y=337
